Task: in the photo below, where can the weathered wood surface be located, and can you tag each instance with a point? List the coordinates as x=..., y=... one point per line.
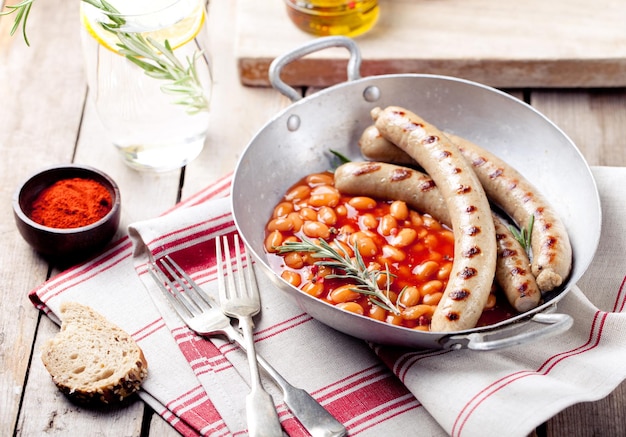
x=45, y=120
x=506, y=43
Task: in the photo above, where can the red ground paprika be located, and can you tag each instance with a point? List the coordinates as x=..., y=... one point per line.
x=71, y=203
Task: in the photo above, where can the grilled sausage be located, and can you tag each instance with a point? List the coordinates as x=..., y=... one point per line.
x=505, y=186
x=551, y=248
x=513, y=270
x=475, y=250
x=376, y=148
x=392, y=182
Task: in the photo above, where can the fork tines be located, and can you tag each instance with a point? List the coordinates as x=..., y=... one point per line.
x=180, y=289
x=246, y=279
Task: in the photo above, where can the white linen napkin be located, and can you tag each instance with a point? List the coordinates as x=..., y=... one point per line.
x=199, y=385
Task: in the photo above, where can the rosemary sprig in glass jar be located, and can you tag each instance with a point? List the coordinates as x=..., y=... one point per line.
x=346, y=267
x=157, y=60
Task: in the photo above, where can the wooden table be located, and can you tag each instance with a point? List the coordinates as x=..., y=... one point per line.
x=46, y=119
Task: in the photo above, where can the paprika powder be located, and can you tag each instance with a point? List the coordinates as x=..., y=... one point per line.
x=71, y=203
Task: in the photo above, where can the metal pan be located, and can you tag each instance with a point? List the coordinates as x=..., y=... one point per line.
x=297, y=141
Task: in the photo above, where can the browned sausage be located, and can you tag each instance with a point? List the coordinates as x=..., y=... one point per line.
x=513, y=270
x=551, y=248
x=475, y=250
x=505, y=186
x=376, y=148
x=389, y=181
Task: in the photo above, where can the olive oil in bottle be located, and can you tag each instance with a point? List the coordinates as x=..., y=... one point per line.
x=333, y=17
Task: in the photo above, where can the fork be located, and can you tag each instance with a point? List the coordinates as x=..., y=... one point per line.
x=201, y=313
x=242, y=301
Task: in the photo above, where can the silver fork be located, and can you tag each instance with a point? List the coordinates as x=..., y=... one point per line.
x=202, y=314
x=241, y=300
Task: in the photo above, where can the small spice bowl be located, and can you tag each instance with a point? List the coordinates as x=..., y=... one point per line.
x=65, y=243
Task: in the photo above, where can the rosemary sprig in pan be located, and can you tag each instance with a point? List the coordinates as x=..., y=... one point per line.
x=345, y=267
x=523, y=235
x=157, y=60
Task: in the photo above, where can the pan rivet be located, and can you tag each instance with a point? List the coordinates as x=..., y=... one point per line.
x=293, y=123
x=371, y=93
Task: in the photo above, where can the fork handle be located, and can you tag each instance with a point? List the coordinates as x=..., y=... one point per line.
x=315, y=418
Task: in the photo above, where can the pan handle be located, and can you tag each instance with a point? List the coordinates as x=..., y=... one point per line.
x=277, y=65
x=499, y=338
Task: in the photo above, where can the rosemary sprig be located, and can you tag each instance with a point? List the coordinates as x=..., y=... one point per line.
x=345, y=267
x=21, y=11
x=157, y=60
x=523, y=235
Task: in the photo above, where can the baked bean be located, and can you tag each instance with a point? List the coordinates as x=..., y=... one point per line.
x=297, y=193
x=342, y=248
x=291, y=277
x=341, y=210
x=431, y=240
x=444, y=271
x=320, y=179
x=491, y=301
x=324, y=195
x=425, y=270
x=393, y=253
x=434, y=286
x=410, y=296
x=362, y=203
x=405, y=237
x=296, y=220
x=294, y=260
x=431, y=223
x=282, y=209
x=313, y=288
x=447, y=236
x=308, y=214
x=327, y=215
x=364, y=243
x=417, y=311
x=313, y=229
x=432, y=298
x=282, y=224
x=344, y=293
x=353, y=307
x=347, y=230
x=399, y=210
x=393, y=319
x=417, y=219
x=369, y=221
x=388, y=225
x=272, y=241
x=377, y=312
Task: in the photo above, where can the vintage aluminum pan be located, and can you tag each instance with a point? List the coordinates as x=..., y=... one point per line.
x=297, y=142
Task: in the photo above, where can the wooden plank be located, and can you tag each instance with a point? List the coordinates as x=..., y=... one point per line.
x=594, y=120
x=504, y=44
x=38, y=130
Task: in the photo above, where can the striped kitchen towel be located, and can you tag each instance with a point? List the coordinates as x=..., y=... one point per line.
x=199, y=385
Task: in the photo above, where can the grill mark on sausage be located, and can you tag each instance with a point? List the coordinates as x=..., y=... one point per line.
x=461, y=294
x=453, y=316
x=366, y=168
x=470, y=209
x=468, y=273
x=496, y=173
x=472, y=252
x=464, y=189
x=400, y=174
x=472, y=231
x=427, y=185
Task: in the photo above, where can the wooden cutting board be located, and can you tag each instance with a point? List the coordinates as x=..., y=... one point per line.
x=502, y=43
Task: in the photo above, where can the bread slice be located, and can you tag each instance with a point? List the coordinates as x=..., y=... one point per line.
x=91, y=359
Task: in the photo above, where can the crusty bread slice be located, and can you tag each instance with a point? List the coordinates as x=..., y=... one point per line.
x=91, y=359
